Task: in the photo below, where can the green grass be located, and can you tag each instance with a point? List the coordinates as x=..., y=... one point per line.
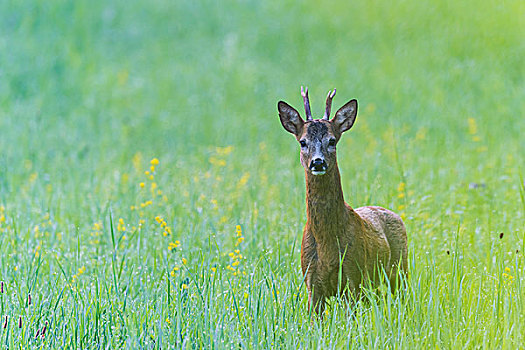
x=90, y=92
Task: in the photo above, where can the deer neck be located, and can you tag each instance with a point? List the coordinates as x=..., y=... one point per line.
x=325, y=206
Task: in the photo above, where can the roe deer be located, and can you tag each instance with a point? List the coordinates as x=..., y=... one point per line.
x=336, y=237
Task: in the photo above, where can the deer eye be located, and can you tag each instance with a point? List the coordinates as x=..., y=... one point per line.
x=302, y=143
x=331, y=143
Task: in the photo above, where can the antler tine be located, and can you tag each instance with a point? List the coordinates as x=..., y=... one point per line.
x=304, y=93
x=329, y=98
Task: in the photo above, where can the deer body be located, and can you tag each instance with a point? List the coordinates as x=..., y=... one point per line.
x=340, y=246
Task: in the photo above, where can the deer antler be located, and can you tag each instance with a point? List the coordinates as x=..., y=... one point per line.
x=304, y=93
x=329, y=98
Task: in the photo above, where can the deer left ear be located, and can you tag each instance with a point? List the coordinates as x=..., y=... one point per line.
x=345, y=117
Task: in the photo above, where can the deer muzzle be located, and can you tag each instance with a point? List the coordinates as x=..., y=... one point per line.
x=318, y=166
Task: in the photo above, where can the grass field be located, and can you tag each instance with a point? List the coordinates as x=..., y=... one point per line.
x=203, y=251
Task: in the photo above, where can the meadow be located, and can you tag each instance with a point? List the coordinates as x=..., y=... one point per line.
x=150, y=198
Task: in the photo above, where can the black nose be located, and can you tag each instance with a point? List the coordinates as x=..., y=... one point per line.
x=318, y=164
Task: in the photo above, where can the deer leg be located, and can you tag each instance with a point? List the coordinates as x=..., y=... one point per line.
x=316, y=302
x=350, y=295
x=398, y=279
x=394, y=278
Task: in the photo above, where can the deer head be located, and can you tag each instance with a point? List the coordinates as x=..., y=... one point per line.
x=318, y=137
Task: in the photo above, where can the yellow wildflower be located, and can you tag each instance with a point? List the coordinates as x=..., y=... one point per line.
x=121, y=226
x=32, y=177
x=472, y=126
x=224, y=151
x=216, y=161
x=137, y=159
x=421, y=133
x=244, y=179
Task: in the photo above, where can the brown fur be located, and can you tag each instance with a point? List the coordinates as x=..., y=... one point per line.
x=362, y=239
x=337, y=238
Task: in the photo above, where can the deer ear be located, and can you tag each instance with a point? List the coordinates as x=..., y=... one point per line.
x=290, y=118
x=345, y=117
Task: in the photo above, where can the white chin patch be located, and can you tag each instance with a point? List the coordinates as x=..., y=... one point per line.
x=318, y=172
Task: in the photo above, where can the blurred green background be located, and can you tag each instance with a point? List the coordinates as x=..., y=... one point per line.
x=91, y=91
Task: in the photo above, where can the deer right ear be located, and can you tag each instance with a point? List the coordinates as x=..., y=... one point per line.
x=290, y=118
